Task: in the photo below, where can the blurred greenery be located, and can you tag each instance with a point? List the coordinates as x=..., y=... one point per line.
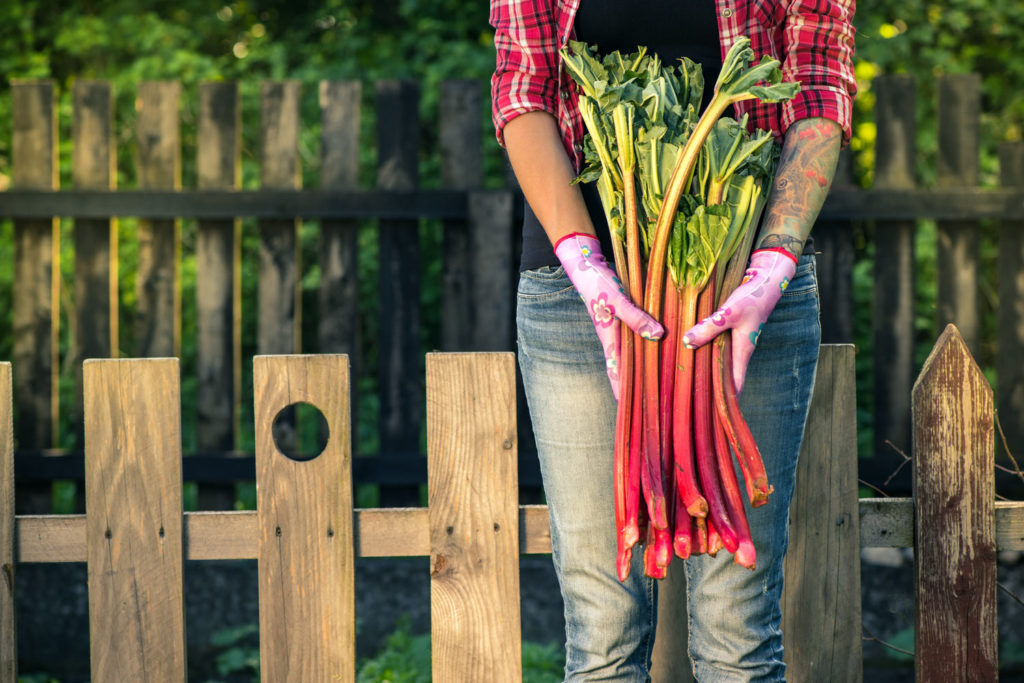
x=250, y=41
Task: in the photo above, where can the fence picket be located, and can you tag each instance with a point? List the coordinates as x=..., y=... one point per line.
x=218, y=286
x=132, y=412
x=474, y=520
x=461, y=169
x=959, y=114
x=492, y=271
x=35, y=347
x=158, y=308
x=893, y=306
x=96, y=329
x=1010, y=311
x=955, y=580
x=834, y=248
x=8, y=631
x=279, y=295
x=823, y=643
x=304, y=510
x=399, y=369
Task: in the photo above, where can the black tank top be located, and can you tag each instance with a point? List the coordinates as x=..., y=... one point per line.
x=670, y=28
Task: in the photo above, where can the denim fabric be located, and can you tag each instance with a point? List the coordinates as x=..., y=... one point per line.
x=734, y=614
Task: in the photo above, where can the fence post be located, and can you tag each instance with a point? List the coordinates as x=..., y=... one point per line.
x=306, y=550
x=132, y=412
x=954, y=518
x=959, y=141
x=461, y=169
x=218, y=286
x=1010, y=312
x=158, y=321
x=93, y=168
x=474, y=518
x=833, y=246
x=8, y=630
x=893, y=307
x=279, y=294
x=401, y=389
x=37, y=272
x=491, y=272
x=823, y=642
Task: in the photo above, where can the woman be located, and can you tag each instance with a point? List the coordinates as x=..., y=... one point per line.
x=567, y=290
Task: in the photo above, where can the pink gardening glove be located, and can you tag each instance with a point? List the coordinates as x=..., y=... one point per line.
x=747, y=308
x=601, y=291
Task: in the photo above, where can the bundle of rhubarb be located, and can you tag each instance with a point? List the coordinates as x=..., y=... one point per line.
x=681, y=190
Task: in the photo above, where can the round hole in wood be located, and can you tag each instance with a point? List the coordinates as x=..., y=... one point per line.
x=300, y=431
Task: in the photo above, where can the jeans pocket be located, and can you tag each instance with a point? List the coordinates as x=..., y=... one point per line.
x=543, y=282
x=805, y=279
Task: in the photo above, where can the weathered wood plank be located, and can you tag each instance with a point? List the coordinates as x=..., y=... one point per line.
x=834, y=251
x=37, y=271
x=8, y=628
x=158, y=307
x=279, y=295
x=492, y=269
x=304, y=508
x=669, y=661
x=1010, y=311
x=474, y=544
x=823, y=560
x=959, y=113
x=884, y=523
x=218, y=285
x=893, y=305
x=95, y=239
x=133, y=526
x=462, y=169
x=399, y=355
x=954, y=542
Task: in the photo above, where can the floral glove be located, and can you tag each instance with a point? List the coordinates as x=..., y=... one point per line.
x=747, y=308
x=601, y=291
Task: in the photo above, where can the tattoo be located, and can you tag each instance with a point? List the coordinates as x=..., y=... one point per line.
x=806, y=167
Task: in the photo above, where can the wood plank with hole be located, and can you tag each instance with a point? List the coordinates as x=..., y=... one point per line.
x=474, y=521
x=8, y=630
x=822, y=565
x=36, y=299
x=954, y=524
x=304, y=511
x=158, y=298
x=133, y=525
x=218, y=285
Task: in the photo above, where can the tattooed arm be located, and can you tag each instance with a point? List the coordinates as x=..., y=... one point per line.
x=810, y=153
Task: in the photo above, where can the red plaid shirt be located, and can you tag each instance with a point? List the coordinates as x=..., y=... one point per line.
x=813, y=39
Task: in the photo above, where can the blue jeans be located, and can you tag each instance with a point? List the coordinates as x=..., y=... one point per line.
x=734, y=614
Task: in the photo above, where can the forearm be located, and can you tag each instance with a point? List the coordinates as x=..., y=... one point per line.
x=810, y=154
x=545, y=175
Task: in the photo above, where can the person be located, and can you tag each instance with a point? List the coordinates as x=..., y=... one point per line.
x=567, y=292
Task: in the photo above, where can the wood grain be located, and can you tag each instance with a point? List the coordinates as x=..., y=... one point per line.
x=959, y=114
x=304, y=508
x=822, y=566
x=893, y=302
x=474, y=521
x=36, y=299
x=1010, y=312
x=954, y=542
x=158, y=304
x=218, y=285
x=133, y=524
x=8, y=629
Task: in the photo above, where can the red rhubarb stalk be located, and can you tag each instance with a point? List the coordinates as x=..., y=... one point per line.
x=747, y=453
x=743, y=553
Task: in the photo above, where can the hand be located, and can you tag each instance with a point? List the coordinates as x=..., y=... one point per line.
x=747, y=308
x=581, y=256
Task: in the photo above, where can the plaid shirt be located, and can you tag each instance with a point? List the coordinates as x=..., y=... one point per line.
x=813, y=39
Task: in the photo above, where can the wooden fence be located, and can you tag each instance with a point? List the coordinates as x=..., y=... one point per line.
x=305, y=534
x=478, y=260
